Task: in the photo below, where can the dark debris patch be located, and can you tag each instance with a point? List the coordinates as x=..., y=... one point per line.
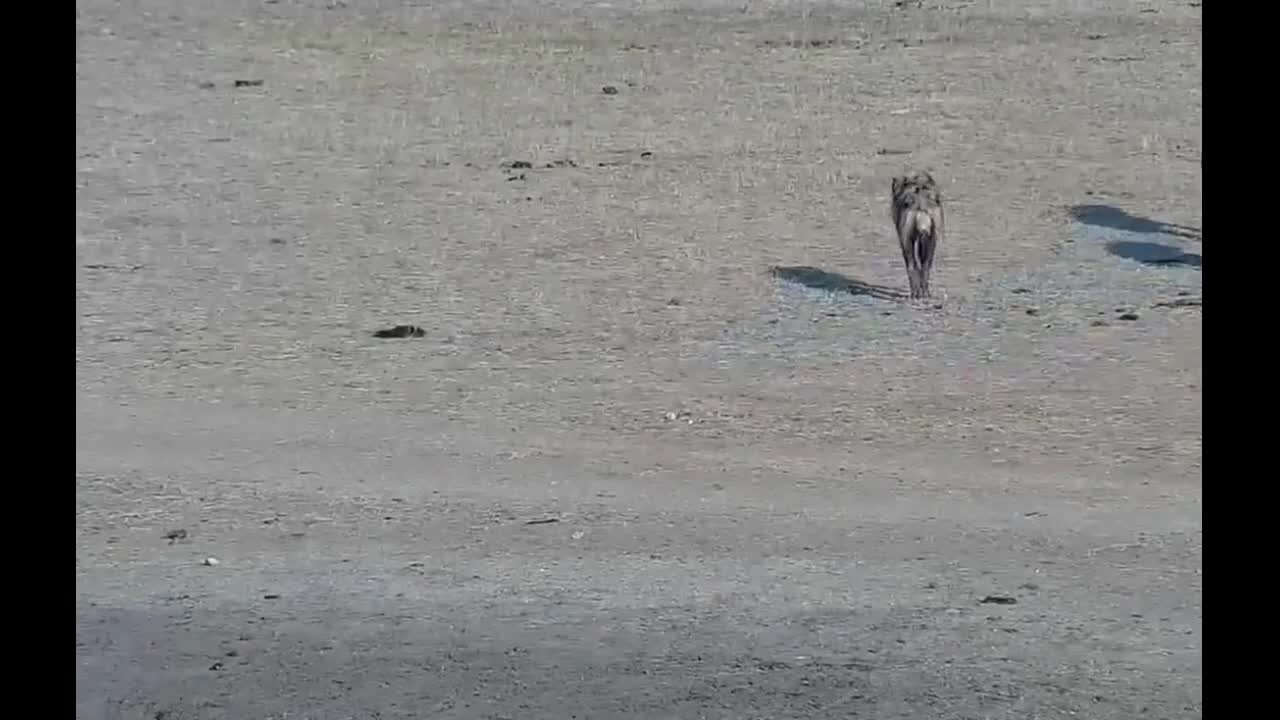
x=118, y=268
x=813, y=43
x=1187, y=301
x=401, y=331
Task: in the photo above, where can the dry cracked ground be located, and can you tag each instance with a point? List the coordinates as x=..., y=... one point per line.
x=670, y=445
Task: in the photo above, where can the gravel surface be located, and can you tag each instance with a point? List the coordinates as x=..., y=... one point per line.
x=668, y=443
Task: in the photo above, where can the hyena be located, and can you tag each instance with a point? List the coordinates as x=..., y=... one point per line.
x=917, y=215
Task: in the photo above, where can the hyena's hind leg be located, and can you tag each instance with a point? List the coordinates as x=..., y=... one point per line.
x=913, y=277
x=917, y=255
x=925, y=244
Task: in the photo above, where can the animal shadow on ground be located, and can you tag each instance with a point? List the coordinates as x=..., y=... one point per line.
x=1150, y=253
x=1117, y=219
x=1153, y=253
x=819, y=279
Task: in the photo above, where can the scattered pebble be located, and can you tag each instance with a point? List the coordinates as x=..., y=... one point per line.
x=517, y=165
x=1128, y=316
x=212, y=562
x=609, y=90
x=271, y=596
x=1033, y=311
x=249, y=83
x=542, y=521
x=174, y=536
x=998, y=600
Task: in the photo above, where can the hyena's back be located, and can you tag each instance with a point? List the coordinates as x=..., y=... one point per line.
x=918, y=217
x=917, y=197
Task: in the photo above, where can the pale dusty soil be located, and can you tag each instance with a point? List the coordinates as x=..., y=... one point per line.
x=846, y=476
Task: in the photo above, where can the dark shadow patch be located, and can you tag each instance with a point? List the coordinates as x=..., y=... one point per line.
x=1117, y=219
x=1151, y=253
x=819, y=279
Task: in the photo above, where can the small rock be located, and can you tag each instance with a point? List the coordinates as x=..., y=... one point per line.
x=1020, y=291
x=674, y=301
x=216, y=666
x=646, y=155
x=249, y=83
x=1128, y=316
x=577, y=534
x=542, y=521
x=1099, y=323
x=1033, y=311
x=998, y=600
x=212, y=562
x=271, y=596
x=518, y=165
x=174, y=536
x=609, y=90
